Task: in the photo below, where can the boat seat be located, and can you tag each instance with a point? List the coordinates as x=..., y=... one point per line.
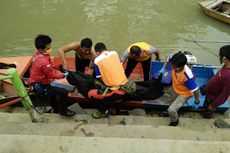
x=227, y=12
x=218, y=8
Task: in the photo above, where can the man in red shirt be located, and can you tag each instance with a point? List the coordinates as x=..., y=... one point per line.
x=42, y=73
x=218, y=87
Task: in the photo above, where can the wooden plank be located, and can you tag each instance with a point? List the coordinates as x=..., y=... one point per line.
x=227, y=12
x=22, y=63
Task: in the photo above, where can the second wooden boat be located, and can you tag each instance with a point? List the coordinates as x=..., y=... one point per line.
x=218, y=9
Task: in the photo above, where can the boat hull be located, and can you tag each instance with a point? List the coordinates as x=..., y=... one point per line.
x=202, y=73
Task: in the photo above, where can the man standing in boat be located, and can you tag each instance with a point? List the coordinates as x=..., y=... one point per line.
x=42, y=72
x=84, y=54
x=218, y=87
x=139, y=52
x=183, y=83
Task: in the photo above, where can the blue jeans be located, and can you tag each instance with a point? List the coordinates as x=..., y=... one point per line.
x=58, y=97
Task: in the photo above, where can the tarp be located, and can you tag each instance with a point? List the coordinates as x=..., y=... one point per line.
x=145, y=90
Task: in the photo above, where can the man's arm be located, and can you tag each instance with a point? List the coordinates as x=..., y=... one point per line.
x=190, y=83
x=221, y=97
x=62, y=50
x=156, y=52
x=49, y=71
x=97, y=71
x=125, y=56
x=196, y=96
x=91, y=65
x=165, y=63
x=93, y=52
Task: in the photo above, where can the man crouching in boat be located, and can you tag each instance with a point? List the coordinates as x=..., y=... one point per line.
x=218, y=87
x=139, y=52
x=110, y=70
x=183, y=84
x=41, y=74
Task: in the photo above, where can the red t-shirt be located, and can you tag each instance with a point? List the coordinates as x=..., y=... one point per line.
x=218, y=87
x=42, y=69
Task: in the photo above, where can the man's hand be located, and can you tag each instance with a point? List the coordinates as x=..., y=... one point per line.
x=65, y=74
x=196, y=106
x=158, y=58
x=197, y=102
x=162, y=70
x=65, y=67
x=210, y=108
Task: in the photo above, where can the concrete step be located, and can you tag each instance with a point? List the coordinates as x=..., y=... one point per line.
x=118, y=131
x=185, y=122
x=64, y=144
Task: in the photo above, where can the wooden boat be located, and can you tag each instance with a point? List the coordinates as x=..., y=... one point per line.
x=218, y=9
x=7, y=92
x=202, y=72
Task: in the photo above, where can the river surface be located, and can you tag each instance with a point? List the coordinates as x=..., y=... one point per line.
x=169, y=25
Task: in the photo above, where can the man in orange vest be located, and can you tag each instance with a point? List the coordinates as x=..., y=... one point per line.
x=183, y=83
x=139, y=52
x=108, y=68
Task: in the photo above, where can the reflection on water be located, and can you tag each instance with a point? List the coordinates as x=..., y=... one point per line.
x=169, y=25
